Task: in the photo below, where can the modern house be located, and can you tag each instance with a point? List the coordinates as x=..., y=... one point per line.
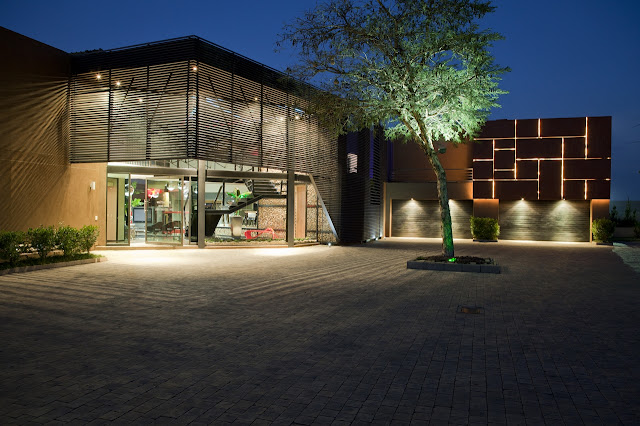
x=181, y=141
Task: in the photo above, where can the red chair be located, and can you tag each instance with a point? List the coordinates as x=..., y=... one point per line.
x=249, y=235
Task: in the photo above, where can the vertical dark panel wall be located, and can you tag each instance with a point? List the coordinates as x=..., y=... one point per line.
x=363, y=166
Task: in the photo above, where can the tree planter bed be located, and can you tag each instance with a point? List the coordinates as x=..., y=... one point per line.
x=461, y=264
x=30, y=268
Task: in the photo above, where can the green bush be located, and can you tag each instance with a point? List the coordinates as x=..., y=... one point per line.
x=68, y=240
x=602, y=229
x=12, y=245
x=88, y=237
x=484, y=228
x=42, y=240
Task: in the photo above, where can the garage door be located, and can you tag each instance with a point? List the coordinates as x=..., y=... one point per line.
x=421, y=218
x=544, y=220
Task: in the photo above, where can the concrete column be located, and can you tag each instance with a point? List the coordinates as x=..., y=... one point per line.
x=202, y=178
x=291, y=181
x=291, y=204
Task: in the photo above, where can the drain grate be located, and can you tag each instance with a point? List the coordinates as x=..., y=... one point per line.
x=470, y=309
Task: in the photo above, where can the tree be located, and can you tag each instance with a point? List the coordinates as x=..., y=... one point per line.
x=422, y=68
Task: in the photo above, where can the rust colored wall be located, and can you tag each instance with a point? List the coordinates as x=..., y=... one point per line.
x=410, y=163
x=486, y=208
x=39, y=186
x=599, y=209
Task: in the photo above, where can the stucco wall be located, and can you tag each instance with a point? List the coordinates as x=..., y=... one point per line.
x=38, y=185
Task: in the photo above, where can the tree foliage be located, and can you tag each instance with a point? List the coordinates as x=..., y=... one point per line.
x=420, y=67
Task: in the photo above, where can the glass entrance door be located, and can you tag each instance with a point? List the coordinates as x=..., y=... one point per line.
x=164, y=210
x=119, y=191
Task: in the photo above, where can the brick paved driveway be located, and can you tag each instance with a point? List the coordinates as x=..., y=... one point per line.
x=326, y=335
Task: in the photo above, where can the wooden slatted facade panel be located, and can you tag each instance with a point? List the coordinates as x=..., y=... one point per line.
x=421, y=218
x=544, y=220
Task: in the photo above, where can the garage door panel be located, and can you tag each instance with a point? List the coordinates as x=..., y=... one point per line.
x=421, y=218
x=544, y=220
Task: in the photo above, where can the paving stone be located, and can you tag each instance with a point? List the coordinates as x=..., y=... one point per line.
x=325, y=335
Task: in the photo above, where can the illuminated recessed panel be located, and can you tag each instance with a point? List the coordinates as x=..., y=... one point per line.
x=554, y=140
x=586, y=137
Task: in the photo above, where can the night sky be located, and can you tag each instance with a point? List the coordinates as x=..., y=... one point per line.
x=569, y=58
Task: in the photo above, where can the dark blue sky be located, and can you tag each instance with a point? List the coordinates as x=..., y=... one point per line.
x=568, y=58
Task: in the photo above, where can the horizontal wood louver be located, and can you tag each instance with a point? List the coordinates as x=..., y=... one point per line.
x=190, y=99
x=89, y=116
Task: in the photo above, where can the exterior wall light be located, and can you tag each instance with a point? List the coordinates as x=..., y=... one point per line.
x=118, y=83
x=194, y=68
x=98, y=76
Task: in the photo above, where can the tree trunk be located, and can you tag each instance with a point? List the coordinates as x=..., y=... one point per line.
x=443, y=198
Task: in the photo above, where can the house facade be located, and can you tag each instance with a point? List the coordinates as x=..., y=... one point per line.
x=543, y=179
x=183, y=142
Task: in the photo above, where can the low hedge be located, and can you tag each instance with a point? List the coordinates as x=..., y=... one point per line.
x=484, y=228
x=43, y=240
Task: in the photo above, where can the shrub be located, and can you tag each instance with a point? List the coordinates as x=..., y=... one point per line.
x=602, y=229
x=484, y=228
x=42, y=240
x=636, y=229
x=88, y=237
x=12, y=245
x=68, y=240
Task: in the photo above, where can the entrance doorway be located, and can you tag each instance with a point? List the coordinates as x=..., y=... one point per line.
x=164, y=211
x=146, y=209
